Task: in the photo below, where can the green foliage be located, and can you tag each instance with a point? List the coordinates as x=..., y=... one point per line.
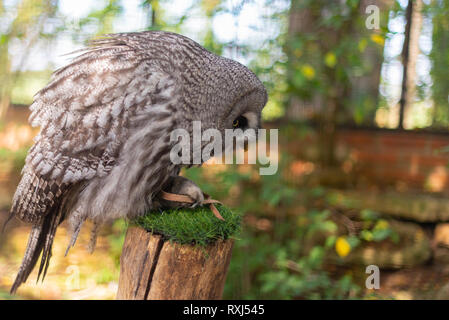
x=105, y=276
x=116, y=238
x=299, y=272
x=27, y=84
x=278, y=264
x=288, y=256
x=17, y=157
x=5, y=295
x=103, y=18
x=192, y=226
x=376, y=229
x=274, y=193
x=23, y=23
x=327, y=58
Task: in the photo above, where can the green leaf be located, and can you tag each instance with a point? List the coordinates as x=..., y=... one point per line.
x=353, y=241
x=368, y=214
x=381, y=234
x=330, y=241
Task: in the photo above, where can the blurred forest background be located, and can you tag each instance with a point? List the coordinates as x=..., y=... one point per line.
x=359, y=91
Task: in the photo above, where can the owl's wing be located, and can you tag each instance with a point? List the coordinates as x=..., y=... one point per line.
x=85, y=113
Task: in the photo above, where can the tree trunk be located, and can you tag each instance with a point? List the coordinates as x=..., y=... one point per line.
x=365, y=88
x=154, y=269
x=300, y=21
x=410, y=53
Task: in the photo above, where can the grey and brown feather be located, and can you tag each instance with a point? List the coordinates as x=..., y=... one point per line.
x=105, y=120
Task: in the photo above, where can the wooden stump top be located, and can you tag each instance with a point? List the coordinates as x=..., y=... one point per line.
x=152, y=267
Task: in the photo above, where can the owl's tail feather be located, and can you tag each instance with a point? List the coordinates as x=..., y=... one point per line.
x=40, y=241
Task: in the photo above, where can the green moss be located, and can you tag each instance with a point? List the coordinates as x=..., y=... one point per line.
x=192, y=226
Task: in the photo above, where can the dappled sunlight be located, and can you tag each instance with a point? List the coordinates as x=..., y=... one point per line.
x=361, y=112
x=79, y=275
x=437, y=179
x=387, y=117
x=300, y=168
x=14, y=137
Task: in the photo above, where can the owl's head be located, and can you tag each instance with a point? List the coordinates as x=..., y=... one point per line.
x=240, y=96
x=232, y=104
x=218, y=92
x=246, y=98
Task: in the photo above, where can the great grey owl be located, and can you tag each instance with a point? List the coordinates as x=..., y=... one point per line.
x=105, y=119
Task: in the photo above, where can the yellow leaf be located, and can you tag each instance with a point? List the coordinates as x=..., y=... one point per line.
x=362, y=45
x=208, y=5
x=377, y=38
x=342, y=247
x=367, y=235
x=381, y=224
x=330, y=59
x=308, y=71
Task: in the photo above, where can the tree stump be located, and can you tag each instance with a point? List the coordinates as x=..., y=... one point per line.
x=154, y=268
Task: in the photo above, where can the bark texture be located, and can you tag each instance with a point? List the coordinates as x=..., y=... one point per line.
x=154, y=269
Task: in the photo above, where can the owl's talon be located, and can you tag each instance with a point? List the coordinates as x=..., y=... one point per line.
x=184, y=186
x=197, y=203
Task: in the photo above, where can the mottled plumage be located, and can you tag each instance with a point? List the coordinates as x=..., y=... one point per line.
x=105, y=120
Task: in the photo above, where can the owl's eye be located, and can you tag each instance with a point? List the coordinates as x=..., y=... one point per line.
x=240, y=122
